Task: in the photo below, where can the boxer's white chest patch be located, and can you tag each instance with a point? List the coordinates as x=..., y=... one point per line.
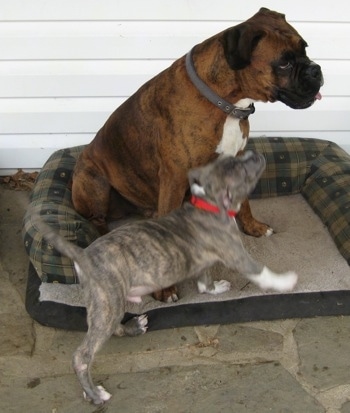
x=232, y=140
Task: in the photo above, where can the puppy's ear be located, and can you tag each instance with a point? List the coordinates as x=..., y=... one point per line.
x=239, y=43
x=194, y=178
x=223, y=201
x=194, y=175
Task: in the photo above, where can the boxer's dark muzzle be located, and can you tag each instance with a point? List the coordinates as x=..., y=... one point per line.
x=302, y=90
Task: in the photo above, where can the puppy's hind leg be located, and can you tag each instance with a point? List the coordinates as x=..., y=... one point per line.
x=103, y=317
x=82, y=361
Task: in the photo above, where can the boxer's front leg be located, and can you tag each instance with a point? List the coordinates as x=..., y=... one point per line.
x=172, y=189
x=249, y=224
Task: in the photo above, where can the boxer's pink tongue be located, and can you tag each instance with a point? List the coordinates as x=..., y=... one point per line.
x=318, y=96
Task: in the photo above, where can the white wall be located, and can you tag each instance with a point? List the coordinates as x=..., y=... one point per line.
x=66, y=65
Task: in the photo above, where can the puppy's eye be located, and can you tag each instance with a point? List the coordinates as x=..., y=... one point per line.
x=286, y=66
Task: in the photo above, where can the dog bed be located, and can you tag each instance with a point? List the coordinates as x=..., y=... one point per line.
x=304, y=194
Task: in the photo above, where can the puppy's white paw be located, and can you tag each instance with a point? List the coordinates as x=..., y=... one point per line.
x=286, y=282
x=100, y=397
x=267, y=280
x=103, y=393
x=219, y=287
x=134, y=327
x=143, y=322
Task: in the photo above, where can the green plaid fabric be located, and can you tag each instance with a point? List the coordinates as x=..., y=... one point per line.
x=51, y=199
x=317, y=169
x=288, y=163
x=327, y=190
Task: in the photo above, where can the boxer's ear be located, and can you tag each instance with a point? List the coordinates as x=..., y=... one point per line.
x=239, y=43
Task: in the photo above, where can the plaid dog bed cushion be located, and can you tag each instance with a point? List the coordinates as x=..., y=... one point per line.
x=318, y=169
x=51, y=199
x=327, y=190
x=288, y=163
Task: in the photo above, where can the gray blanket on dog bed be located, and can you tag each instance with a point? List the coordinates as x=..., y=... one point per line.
x=300, y=243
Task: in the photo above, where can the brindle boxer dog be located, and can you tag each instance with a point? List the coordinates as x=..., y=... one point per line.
x=189, y=113
x=181, y=245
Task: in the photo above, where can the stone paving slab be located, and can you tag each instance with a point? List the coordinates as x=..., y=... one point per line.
x=282, y=366
x=221, y=388
x=346, y=408
x=324, y=351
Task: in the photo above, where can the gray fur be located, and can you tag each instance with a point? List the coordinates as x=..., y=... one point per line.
x=145, y=256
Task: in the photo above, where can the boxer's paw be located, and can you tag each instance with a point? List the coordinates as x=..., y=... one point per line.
x=168, y=295
x=256, y=229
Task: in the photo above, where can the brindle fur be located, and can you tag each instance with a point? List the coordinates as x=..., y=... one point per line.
x=167, y=127
x=147, y=255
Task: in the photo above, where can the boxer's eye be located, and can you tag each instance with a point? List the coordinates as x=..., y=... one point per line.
x=286, y=66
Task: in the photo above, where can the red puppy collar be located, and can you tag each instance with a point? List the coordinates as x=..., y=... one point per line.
x=206, y=206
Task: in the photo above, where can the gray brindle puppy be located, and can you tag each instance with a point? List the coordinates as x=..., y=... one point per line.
x=147, y=255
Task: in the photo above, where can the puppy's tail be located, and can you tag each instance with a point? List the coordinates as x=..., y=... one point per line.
x=65, y=247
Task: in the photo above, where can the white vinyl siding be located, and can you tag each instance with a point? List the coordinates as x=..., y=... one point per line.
x=65, y=66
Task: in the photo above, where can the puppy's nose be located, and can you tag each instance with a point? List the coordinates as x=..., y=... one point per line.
x=247, y=155
x=251, y=155
x=255, y=157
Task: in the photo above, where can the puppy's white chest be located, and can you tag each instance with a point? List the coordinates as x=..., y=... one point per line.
x=232, y=139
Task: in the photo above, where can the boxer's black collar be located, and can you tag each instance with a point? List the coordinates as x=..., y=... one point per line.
x=215, y=99
x=206, y=206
